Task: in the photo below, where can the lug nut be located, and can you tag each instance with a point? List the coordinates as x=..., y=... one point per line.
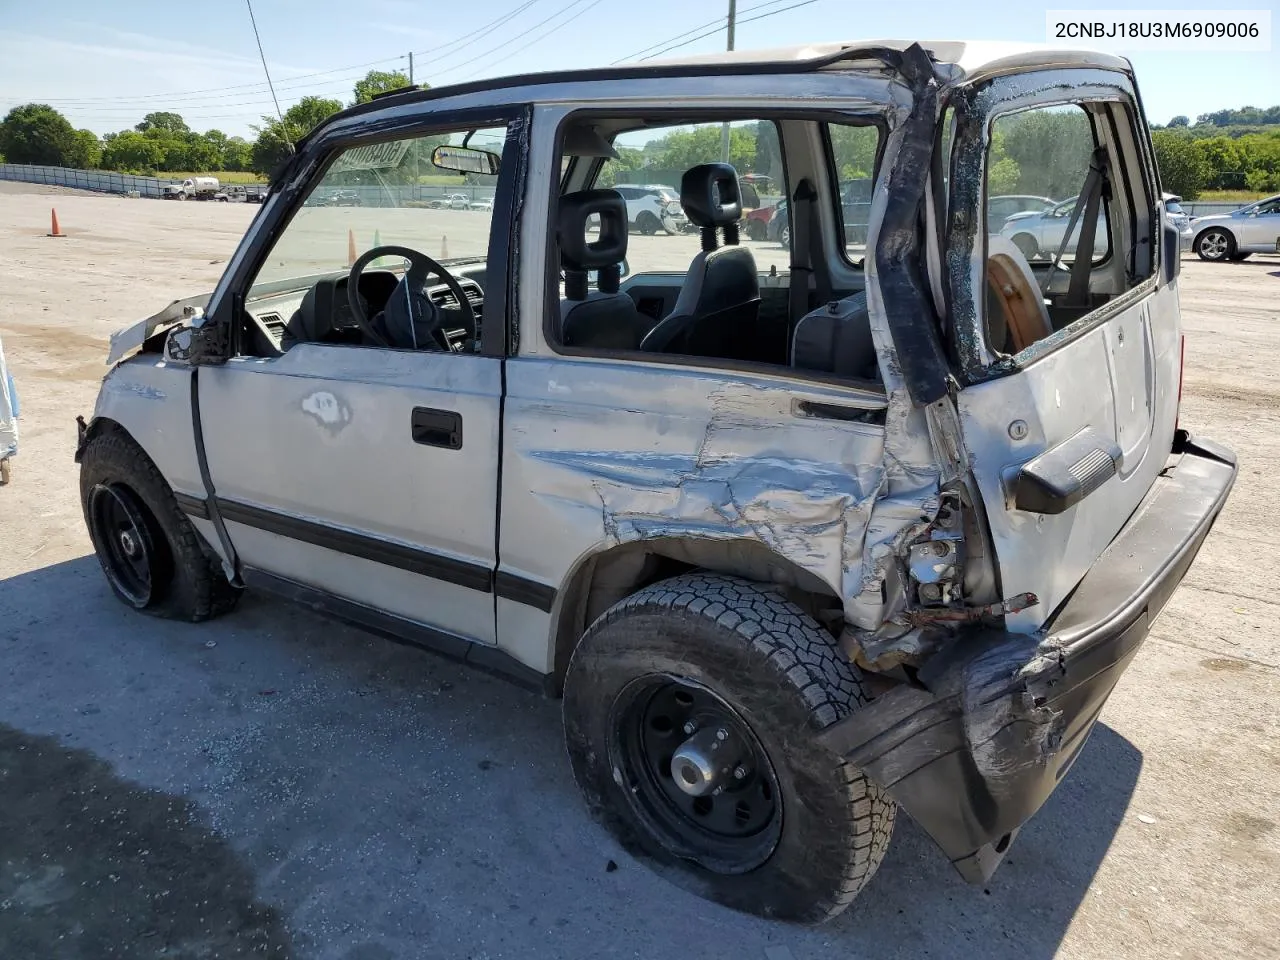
x=722, y=734
x=739, y=773
x=689, y=727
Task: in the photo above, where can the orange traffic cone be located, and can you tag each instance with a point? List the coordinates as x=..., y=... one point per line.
x=444, y=248
x=351, y=248
x=55, y=231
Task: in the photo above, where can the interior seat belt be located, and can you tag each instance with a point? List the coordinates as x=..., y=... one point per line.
x=1090, y=195
x=801, y=266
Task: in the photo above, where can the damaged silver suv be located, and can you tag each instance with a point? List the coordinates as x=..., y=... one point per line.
x=801, y=536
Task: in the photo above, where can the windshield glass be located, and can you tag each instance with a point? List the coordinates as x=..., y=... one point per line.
x=386, y=193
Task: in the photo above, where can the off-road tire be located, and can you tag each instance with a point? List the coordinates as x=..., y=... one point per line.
x=194, y=587
x=786, y=678
x=647, y=223
x=1215, y=250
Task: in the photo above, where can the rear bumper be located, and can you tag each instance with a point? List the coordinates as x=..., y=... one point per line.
x=998, y=718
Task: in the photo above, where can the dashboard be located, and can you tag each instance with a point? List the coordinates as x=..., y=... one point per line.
x=321, y=313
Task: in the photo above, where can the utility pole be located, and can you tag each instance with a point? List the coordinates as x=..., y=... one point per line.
x=411, y=68
x=724, y=130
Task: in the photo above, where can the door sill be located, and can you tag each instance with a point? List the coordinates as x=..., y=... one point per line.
x=400, y=629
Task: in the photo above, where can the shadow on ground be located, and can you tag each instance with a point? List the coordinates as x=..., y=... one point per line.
x=117, y=869
x=390, y=804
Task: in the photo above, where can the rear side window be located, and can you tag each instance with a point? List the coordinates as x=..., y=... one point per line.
x=1037, y=166
x=855, y=155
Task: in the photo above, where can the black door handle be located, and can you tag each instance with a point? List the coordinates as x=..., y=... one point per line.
x=437, y=428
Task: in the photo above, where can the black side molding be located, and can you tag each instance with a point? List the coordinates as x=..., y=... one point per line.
x=192, y=506
x=1064, y=475
x=426, y=563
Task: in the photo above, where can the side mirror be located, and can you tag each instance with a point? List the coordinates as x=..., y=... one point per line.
x=200, y=342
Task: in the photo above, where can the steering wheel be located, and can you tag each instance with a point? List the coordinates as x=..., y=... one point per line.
x=409, y=306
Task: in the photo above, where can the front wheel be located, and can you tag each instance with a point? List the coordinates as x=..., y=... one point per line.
x=1215, y=245
x=691, y=711
x=153, y=558
x=784, y=238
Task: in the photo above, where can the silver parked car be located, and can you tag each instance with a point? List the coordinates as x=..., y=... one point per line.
x=796, y=548
x=1039, y=233
x=1234, y=236
x=1001, y=208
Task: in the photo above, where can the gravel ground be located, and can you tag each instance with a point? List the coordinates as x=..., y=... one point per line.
x=275, y=785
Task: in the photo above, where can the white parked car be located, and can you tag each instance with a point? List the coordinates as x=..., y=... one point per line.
x=1235, y=235
x=1040, y=233
x=484, y=204
x=653, y=207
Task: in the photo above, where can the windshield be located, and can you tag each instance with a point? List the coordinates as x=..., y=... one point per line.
x=386, y=193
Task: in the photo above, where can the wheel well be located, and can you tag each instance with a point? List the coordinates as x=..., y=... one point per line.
x=605, y=578
x=93, y=428
x=1213, y=226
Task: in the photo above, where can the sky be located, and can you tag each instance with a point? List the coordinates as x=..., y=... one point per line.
x=105, y=65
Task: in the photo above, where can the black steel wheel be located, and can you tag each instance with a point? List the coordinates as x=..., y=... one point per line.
x=702, y=780
x=691, y=715
x=133, y=556
x=153, y=558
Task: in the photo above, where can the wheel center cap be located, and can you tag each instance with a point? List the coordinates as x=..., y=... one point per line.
x=704, y=762
x=128, y=543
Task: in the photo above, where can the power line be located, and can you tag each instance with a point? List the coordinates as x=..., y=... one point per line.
x=718, y=23
x=213, y=92
x=537, y=39
x=500, y=21
x=259, y=87
x=701, y=36
x=280, y=113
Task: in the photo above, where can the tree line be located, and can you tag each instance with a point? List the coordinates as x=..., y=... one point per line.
x=162, y=141
x=1236, y=149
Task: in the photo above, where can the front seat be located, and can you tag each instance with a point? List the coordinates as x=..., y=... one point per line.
x=715, y=314
x=606, y=318
x=1016, y=313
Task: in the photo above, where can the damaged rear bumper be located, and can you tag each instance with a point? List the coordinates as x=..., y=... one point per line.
x=997, y=718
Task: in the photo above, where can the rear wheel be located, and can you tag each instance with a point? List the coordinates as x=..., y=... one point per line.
x=1215, y=244
x=153, y=558
x=784, y=238
x=648, y=224
x=691, y=710
x=756, y=230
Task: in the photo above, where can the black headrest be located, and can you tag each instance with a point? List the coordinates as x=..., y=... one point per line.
x=610, y=246
x=710, y=195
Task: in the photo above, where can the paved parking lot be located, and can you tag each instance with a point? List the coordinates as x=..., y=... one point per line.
x=275, y=785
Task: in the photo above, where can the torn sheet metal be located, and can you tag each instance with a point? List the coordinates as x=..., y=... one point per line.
x=595, y=457
x=131, y=338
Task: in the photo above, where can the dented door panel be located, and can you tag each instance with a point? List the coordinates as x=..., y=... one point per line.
x=598, y=453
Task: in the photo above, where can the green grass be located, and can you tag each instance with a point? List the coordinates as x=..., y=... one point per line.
x=1234, y=196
